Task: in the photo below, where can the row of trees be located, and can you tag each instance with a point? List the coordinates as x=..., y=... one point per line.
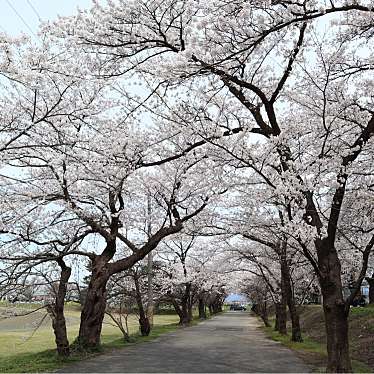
x=247, y=119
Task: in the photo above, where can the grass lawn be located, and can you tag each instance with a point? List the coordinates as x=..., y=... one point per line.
x=24, y=350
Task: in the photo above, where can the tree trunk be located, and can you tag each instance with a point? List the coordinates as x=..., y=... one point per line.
x=210, y=307
x=126, y=336
x=202, y=311
x=295, y=321
x=288, y=294
x=150, y=304
x=264, y=314
x=281, y=317
x=371, y=289
x=215, y=308
x=185, y=316
x=261, y=310
x=265, y=319
x=217, y=305
x=56, y=312
x=145, y=326
x=182, y=312
x=336, y=320
x=93, y=311
x=276, y=323
x=335, y=309
x=282, y=323
x=190, y=310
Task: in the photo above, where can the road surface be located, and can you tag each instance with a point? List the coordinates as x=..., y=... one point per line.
x=228, y=343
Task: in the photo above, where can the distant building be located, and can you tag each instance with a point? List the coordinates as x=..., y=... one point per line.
x=364, y=291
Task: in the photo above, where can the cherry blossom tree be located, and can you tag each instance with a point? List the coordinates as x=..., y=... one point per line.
x=192, y=274
x=215, y=39
x=227, y=51
x=84, y=169
x=240, y=87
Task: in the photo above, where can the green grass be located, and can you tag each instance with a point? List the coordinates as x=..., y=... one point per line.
x=33, y=362
x=366, y=311
x=307, y=345
x=48, y=360
x=310, y=348
x=25, y=350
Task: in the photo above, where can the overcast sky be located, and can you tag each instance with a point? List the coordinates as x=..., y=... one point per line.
x=18, y=16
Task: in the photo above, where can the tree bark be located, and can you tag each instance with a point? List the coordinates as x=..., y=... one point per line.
x=216, y=305
x=281, y=317
x=186, y=307
x=145, y=326
x=150, y=304
x=262, y=311
x=335, y=309
x=190, y=310
x=56, y=312
x=276, y=324
x=295, y=321
x=210, y=308
x=202, y=311
x=265, y=319
x=93, y=311
x=288, y=295
x=264, y=314
x=182, y=312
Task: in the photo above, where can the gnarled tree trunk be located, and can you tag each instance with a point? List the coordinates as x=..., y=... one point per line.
x=182, y=310
x=335, y=309
x=185, y=316
x=182, y=313
x=93, y=311
x=56, y=312
x=145, y=326
x=281, y=317
x=288, y=295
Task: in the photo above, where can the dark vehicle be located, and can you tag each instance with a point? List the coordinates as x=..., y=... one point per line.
x=359, y=301
x=237, y=307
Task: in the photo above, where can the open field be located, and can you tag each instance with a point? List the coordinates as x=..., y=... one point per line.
x=313, y=349
x=24, y=349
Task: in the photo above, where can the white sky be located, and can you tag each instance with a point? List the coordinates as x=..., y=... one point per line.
x=17, y=16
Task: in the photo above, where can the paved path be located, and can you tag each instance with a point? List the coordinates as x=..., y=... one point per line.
x=228, y=343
